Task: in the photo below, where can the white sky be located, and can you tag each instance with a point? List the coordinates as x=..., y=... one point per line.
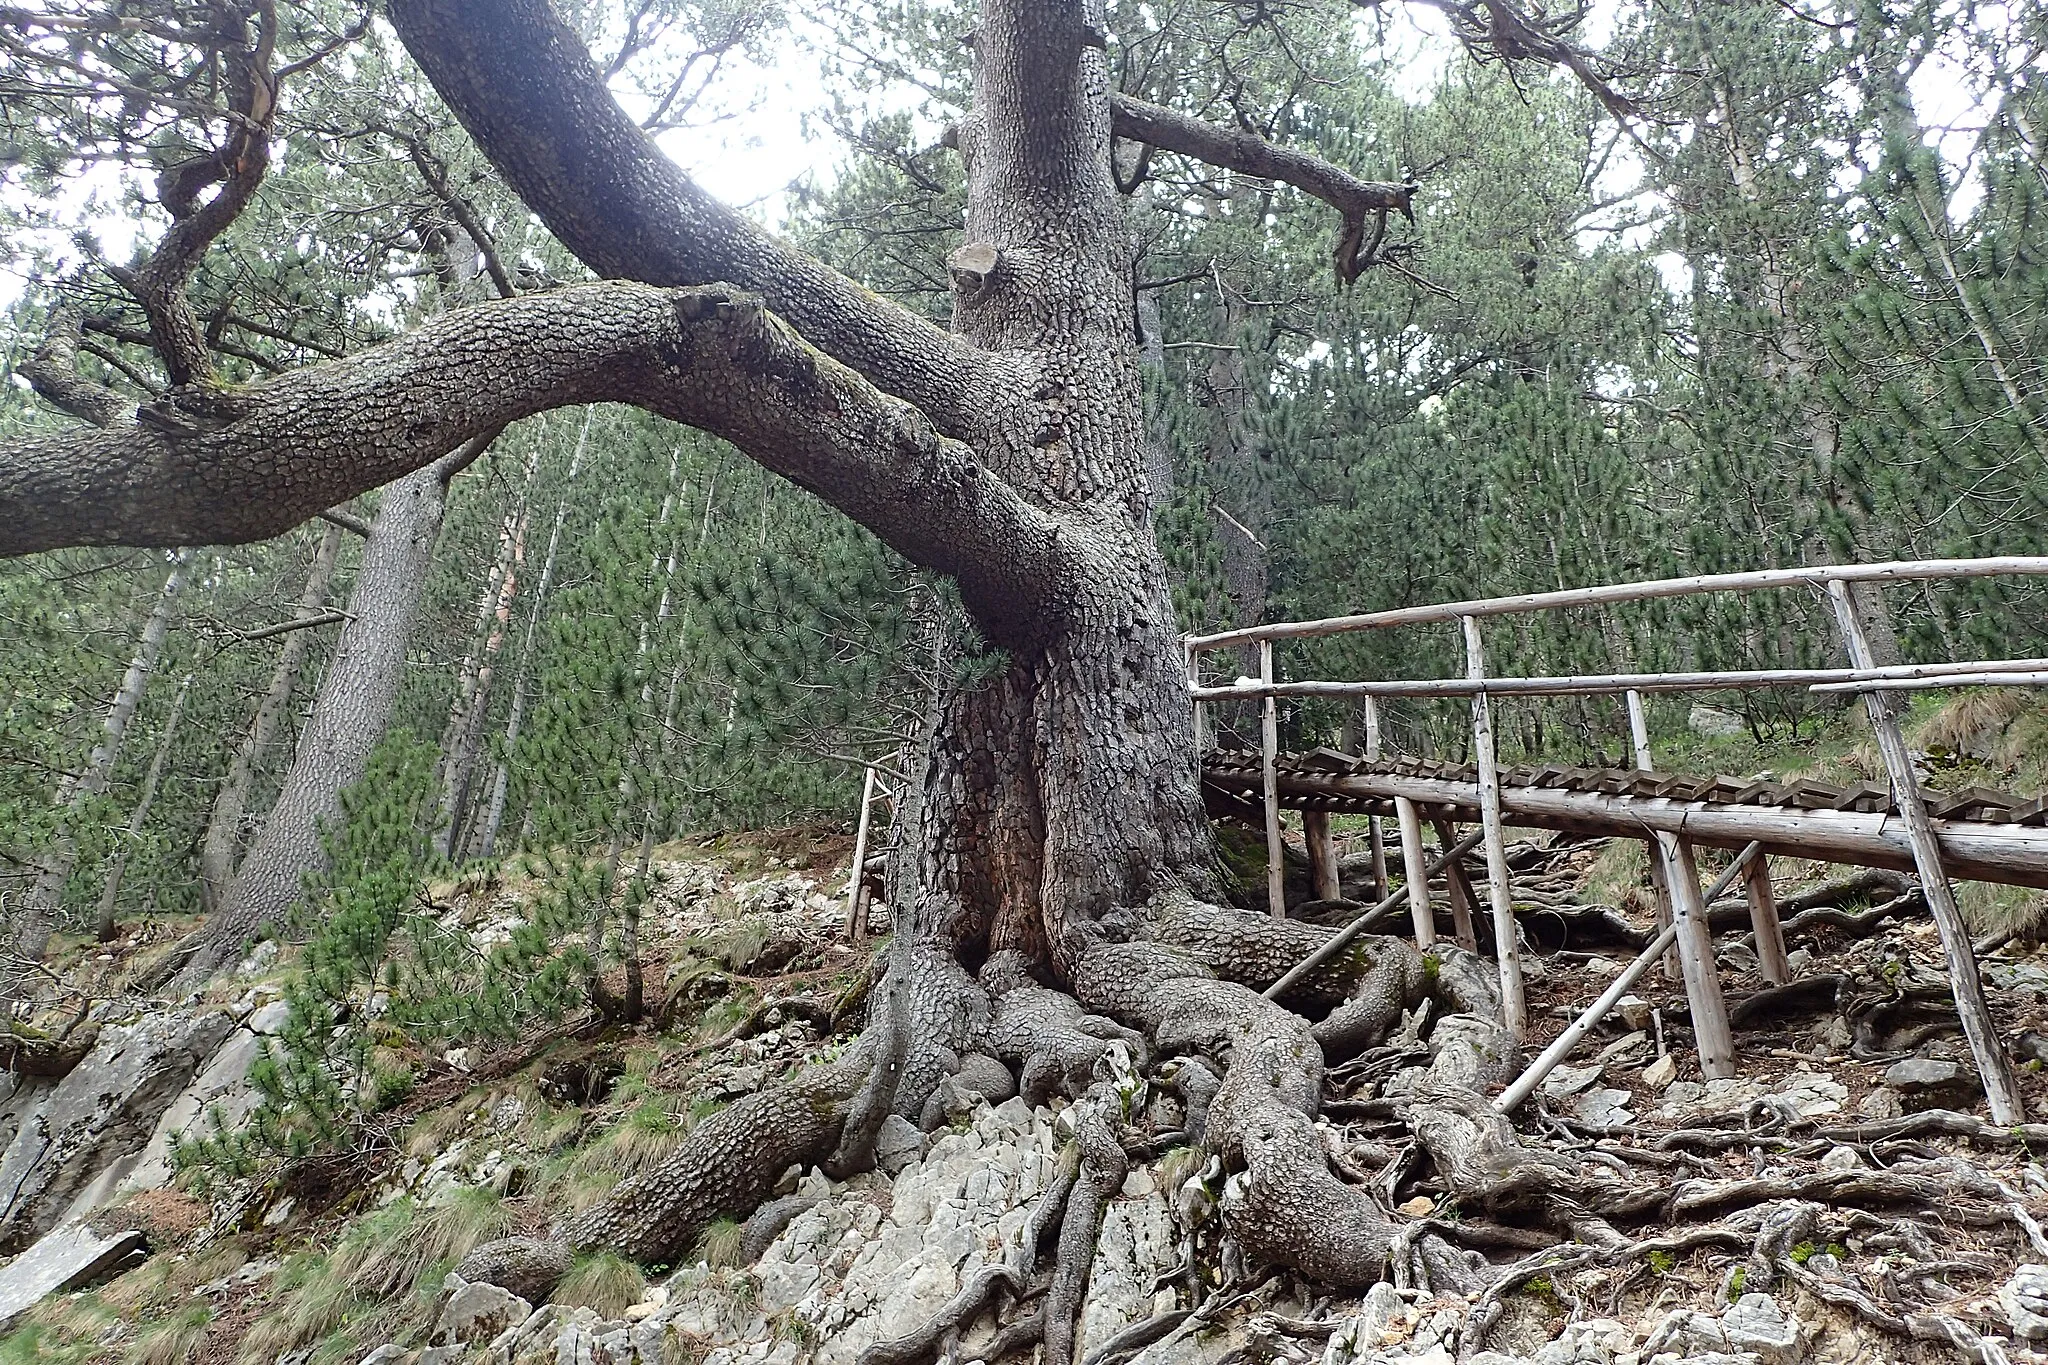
x=750, y=159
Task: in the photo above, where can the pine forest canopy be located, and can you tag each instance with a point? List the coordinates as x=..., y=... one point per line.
x=1120, y=320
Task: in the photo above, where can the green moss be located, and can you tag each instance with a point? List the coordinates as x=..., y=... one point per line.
x=1663, y=1262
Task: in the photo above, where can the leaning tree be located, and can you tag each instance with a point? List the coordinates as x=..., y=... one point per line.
x=1057, y=900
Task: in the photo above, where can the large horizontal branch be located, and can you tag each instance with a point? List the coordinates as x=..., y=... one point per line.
x=1249, y=154
x=203, y=467
x=525, y=87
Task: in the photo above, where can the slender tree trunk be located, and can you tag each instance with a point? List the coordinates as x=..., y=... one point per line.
x=487, y=841
x=349, y=716
x=224, y=823
x=110, y=894
x=38, y=916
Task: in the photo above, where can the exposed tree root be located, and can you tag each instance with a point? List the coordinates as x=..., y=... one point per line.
x=1102, y=1170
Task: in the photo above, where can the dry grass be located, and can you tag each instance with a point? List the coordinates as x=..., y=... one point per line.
x=175, y=1340
x=1620, y=877
x=720, y=1244
x=604, y=1281
x=1974, y=721
x=640, y=1141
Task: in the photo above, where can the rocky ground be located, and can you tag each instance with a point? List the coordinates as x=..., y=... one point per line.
x=1836, y=1202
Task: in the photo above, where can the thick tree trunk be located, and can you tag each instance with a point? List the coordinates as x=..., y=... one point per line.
x=37, y=918
x=224, y=823
x=349, y=718
x=138, y=819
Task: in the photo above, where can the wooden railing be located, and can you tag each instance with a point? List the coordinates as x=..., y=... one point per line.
x=1681, y=904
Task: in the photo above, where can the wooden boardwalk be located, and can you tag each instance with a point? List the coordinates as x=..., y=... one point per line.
x=1976, y=834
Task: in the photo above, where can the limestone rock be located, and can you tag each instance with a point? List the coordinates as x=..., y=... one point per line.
x=72, y=1256
x=105, y=1110
x=1756, y=1324
x=477, y=1312
x=2025, y=1301
x=1661, y=1072
x=898, y=1145
x=1924, y=1082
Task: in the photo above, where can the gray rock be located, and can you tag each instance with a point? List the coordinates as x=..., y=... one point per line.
x=898, y=1145
x=102, y=1112
x=1715, y=722
x=1571, y=1080
x=1926, y=1081
x=1880, y=1104
x=477, y=1312
x=390, y=1353
x=2025, y=1301
x=72, y=1256
x=1633, y=1011
x=1922, y=1073
x=1756, y=1324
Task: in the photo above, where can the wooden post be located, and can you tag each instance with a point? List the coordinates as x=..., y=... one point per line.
x=2001, y=1088
x=1763, y=917
x=856, y=910
x=1416, y=869
x=1322, y=855
x=1269, y=751
x=1337, y=942
x=1660, y=880
x=1506, y=944
x=1372, y=822
x=1459, y=887
x=1696, y=955
x=1525, y=1084
x=1201, y=707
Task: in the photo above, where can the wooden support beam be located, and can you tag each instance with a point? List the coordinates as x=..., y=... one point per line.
x=856, y=909
x=1458, y=886
x=1377, y=840
x=1763, y=917
x=2001, y=1087
x=1525, y=1084
x=1203, y=739
x=1322, y=855
x=1660, y=880
x=1269, y=752
x=2009, y=854
x=1371, y=919
x=1506, y=939
x=1416, y=870
x=1696, y=956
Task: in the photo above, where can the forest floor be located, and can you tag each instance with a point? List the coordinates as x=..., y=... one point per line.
x=1840, y=1199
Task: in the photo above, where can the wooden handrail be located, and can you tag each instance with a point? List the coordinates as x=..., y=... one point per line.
x=1898, y=571
x=2002, y=672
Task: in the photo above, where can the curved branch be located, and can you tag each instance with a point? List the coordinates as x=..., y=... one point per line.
x=209, y=466
x=524, y=86
x=53, y=373
x=1237, y=150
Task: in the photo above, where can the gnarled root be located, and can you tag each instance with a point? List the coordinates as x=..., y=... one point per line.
x=1102, y=1170
x=1287, y=1208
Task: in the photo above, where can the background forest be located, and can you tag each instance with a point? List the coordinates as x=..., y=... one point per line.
x=1752, y=310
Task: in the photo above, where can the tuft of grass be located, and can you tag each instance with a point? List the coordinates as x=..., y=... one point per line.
x=604, y=1281
x=1973, y=722
x=640, y=1141
x=1178, y=1166
x=1619, y=877
x=175, y=1340
x=720, y=1244
x=309, y=1302
x=738, y=944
